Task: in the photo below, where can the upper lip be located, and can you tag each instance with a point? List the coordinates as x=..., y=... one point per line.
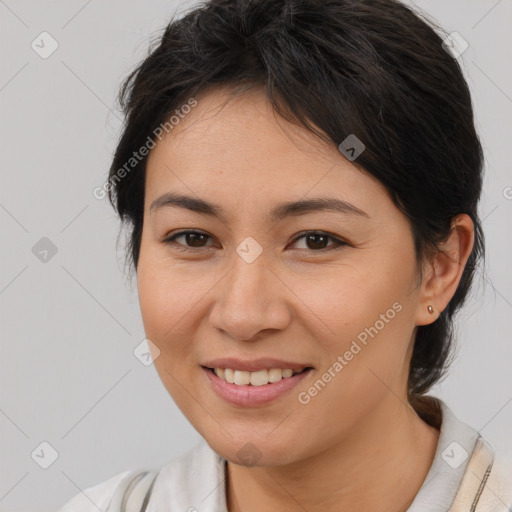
x=254, y=365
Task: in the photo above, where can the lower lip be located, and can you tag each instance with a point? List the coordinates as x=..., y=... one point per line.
x=249, y=396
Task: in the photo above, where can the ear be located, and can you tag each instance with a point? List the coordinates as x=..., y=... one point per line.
x=442, y=273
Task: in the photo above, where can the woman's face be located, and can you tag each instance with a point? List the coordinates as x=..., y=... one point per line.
x=266, y=285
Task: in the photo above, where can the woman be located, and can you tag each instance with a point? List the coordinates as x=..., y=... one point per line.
x=301, y=181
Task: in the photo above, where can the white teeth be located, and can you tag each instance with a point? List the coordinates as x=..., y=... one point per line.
x=259, y=378
x=229, y=375
x=242, y=378
x=275, y=375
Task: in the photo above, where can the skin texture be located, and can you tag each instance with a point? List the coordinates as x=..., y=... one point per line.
x=357, y=445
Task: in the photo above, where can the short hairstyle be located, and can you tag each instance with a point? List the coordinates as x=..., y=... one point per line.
x=372, y=68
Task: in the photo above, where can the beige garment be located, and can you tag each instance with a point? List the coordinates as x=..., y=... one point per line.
x=465, y=476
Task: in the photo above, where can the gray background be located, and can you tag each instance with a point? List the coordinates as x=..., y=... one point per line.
x=69, y=325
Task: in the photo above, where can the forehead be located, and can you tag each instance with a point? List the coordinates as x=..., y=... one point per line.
x=239, y=150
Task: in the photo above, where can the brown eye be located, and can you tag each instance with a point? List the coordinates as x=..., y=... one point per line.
x=193, y=239
x=318, y=241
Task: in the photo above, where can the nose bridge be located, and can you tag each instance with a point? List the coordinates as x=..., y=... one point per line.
x=248, y=301
x=248, y=274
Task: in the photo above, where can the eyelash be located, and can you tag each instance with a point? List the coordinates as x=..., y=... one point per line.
x=337, y=243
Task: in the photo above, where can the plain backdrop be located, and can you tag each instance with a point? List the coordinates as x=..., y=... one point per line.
x=69, y=324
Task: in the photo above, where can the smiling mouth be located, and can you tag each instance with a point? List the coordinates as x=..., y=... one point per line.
x=258, y=378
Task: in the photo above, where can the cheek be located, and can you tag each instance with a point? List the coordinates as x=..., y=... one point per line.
x=168, y=303
x=352, y=300
x=167, y=308
x=369, y=309
x=168, y=291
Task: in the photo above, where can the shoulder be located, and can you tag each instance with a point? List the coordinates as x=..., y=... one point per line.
x=496, y=494
x=467, y=473
x=486, y=484
x=100, y=495
x=176, y=484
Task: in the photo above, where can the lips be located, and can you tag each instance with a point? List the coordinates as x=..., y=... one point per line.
x=251, y=395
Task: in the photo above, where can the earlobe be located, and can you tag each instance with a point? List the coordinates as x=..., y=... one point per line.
x=444, y=271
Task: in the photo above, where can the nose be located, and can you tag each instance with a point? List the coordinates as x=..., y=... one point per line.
x=251, y=300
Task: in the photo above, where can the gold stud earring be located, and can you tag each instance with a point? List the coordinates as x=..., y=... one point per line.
x=430, y=309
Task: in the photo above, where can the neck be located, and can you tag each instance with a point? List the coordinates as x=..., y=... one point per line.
x=380, y=467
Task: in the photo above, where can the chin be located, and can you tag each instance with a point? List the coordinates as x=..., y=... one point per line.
x=255, y=450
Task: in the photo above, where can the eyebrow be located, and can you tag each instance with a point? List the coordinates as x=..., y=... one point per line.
x=279, y=212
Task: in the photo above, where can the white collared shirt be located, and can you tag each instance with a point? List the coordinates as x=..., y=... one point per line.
x=195, y=481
